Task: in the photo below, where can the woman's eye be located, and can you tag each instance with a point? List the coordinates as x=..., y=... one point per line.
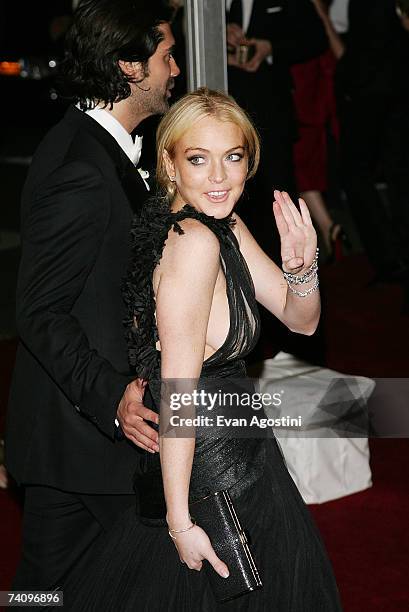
x=235, y=157
x=196, y=160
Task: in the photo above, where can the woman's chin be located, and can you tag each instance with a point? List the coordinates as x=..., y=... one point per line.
x=218, y=210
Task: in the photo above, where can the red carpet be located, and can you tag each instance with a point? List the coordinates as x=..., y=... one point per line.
x=366, y=534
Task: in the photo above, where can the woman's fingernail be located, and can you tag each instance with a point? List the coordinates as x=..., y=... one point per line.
x=225, y=574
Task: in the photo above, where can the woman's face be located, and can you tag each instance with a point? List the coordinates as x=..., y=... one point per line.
x=209, y=166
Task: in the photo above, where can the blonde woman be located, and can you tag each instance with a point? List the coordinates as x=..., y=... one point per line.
x=192, y=291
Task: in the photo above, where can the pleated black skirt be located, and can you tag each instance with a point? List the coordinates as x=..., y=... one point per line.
x=137, y=567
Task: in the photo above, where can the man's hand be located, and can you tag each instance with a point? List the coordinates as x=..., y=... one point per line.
x=263, y=50
x=132, y=416
x=235, y=34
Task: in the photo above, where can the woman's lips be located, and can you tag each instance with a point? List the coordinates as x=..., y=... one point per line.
x=218, y=195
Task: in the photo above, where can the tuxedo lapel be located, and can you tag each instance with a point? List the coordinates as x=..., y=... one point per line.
x=133, y=185
x=128, y=175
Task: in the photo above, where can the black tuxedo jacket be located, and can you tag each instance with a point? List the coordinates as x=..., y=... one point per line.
x=72, y=369
x=296, y=34
x=374, y=62
x=293, y=26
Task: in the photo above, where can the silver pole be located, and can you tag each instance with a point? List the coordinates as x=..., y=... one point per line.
x=206, y=44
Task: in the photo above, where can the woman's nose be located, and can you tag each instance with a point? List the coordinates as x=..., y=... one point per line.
x=217, y=173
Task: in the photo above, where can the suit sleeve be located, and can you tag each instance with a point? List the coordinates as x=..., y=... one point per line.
x=62, y=236
x=297, y=33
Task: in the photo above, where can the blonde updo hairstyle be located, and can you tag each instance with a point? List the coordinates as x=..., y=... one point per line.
x=189, y=110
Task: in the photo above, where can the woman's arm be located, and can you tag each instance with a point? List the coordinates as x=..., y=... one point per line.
x=185, y=281
x=335, y=41
x=298, y=247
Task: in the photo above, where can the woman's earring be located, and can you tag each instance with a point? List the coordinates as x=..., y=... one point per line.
x=172, y=178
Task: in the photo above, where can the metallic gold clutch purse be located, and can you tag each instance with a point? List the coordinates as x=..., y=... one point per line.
x=216, y=514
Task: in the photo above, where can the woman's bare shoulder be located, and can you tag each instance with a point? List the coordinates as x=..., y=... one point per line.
x=197, y=247
x=196, y=238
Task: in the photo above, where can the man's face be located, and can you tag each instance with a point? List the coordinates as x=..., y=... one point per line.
x=155, y=90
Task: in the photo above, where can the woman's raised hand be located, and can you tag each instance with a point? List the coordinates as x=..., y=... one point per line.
x=297, y=234
x=193, y=546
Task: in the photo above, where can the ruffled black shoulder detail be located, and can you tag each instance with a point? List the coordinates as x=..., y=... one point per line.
x=148, y=236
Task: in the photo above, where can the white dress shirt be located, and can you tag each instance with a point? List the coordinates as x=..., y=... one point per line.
x=131, y=149
x=338, y=13
x=124, y=139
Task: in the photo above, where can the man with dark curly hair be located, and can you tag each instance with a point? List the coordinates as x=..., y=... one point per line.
x=76, y=417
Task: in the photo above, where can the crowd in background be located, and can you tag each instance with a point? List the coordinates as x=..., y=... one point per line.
x=338, y=76
x=327, y=88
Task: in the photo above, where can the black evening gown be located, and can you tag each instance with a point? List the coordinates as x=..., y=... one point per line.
x=137, y=567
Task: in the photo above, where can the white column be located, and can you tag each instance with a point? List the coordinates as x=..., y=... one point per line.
x=206, y=44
